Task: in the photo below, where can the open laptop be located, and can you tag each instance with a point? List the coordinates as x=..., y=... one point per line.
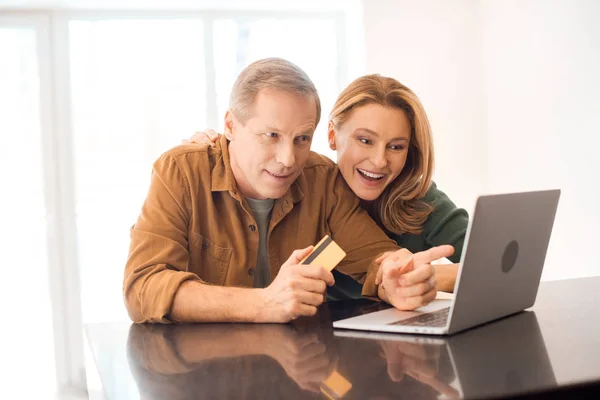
x=499, y=273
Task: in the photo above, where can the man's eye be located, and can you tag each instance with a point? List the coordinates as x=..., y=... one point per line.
x=271, y=135
x=304, y=138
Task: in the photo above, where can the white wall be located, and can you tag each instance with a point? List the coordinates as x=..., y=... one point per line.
x=512, y=90
x=542, y=79
x=433, y=47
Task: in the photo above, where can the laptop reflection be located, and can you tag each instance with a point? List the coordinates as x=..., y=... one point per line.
x=501, y=359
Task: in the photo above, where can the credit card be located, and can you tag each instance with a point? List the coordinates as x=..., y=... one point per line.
x=335, y=386
x=326, y=253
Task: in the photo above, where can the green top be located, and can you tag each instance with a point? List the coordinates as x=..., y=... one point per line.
x=446, y=224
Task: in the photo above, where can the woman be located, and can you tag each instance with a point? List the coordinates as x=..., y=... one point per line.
x=385, y=153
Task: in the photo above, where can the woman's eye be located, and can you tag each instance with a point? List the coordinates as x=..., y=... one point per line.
x=397, y=147
x=271, y=135
x=364, y=140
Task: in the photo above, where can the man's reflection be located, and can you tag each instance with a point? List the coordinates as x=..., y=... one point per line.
x=228, y=361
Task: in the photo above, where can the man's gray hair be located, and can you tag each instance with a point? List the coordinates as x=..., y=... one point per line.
x=270, y=73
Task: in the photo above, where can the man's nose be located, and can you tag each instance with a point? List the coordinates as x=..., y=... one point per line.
x=286, y=156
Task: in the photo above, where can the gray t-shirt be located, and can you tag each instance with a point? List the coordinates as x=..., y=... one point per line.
x=261, y=209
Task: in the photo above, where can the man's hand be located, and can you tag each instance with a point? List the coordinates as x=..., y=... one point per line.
x=407, y=279
x=296, y=291
x=209, y=137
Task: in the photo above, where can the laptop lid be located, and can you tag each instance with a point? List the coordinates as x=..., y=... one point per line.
x=500, y=269
x=503, y=256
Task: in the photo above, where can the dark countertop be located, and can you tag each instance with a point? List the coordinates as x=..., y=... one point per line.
x=551, y=350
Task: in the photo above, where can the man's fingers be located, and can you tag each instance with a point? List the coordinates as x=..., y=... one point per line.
x=419, y=274
x=305, y=310
x=418, y=289
x=420, y=301
x=317, y=272
x=395, y=256
x=310, y=298
x=405, y=266
x=390, y=270
x=312, y=285
x=385, y=255
x=298, y=255
x=379, y=275
x=394, y=268
x=434, y=253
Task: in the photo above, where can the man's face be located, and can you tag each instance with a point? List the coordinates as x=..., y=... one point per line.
x=268, y=152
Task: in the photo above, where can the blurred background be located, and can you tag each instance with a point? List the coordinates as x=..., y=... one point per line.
x=92, y=92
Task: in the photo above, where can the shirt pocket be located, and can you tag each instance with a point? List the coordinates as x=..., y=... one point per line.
x=209, y=261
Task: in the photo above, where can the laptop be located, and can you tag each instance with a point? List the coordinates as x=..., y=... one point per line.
x=499, y=274
x=501, y=359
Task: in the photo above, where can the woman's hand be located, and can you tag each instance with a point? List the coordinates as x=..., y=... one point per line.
x=209, y=137
x=408, y=280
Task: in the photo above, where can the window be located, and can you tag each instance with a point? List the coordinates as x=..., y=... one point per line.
x=88, y=101
x=309, y=43
x=137, y=90
x=24, y=218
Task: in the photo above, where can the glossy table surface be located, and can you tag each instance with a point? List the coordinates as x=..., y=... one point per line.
x=552, y=349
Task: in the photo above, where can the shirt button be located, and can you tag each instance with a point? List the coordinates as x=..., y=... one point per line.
x=205, y=245
x=251, y=271
x=252, y=228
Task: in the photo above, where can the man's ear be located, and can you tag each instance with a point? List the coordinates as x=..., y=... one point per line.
x=230, y=122
x=331, y=135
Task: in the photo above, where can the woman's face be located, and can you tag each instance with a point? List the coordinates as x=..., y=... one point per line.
x=372, y=146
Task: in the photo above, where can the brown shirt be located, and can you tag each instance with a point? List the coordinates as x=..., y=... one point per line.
x=195, y=225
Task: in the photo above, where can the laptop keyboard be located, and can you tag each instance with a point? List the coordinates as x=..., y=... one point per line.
x=432, y=319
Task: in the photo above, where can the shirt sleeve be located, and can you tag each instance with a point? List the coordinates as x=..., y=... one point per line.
x=158, y=254
x=447, y=224
x=357, y=234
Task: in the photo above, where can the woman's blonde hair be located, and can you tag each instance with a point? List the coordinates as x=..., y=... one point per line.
x=270, y=73
x=400, y=208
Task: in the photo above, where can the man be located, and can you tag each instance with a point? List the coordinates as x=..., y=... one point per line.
x=223, y=229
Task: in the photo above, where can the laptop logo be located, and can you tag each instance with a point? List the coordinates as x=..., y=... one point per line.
x=509, y=258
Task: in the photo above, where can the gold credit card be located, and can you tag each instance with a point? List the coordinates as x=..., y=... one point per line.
x=335, y=386
x=326, y=253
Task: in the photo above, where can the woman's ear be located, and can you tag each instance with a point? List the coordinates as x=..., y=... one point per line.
x=331, y=135
x=229, y=125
